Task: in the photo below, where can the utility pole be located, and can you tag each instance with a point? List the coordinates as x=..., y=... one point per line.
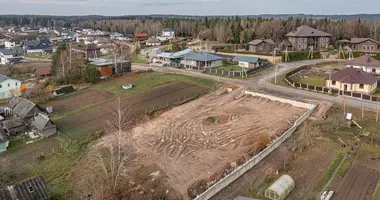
x=70, y=55
x=377, y=112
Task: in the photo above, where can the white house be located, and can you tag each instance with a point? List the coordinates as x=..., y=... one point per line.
x=167, y=34
x=10, y=44
x=247, y=62
x=202, y=59
x=7, y=55
x=9, y=87
x=365, y=63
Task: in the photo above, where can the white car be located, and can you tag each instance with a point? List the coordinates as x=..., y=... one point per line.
x=127, y=86
x=327, y=195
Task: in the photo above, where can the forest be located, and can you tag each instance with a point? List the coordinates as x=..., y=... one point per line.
x=231, y=29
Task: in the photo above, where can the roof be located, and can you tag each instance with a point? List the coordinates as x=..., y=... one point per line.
x=168, y=30
x=153, y=40
x=140, y=34
x=13, y=123
x=20, y=106
x=40, y=122
x=104, y=62
x=31, y=189
x=179, y=54
x=244, y=198
x=282, y=186
x=4, y=77
x=306, y=31
x=344, y=41
x=202, y=56
x=246, y=59
x=64, y=89
x=364, y=60
x=361, y=40
x=353, y=76
x=42, y=70
x=286, y=42
x=258, y=41
x=10, y=51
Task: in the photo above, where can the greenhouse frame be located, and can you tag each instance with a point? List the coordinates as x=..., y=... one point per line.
x=280, y=188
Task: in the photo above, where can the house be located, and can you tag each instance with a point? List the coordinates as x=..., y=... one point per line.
x=202, y=59
x=92, y=51
x=13, y=126
x=63, y=90
x=247, y=62
x=10, y=44
x=168, y=58
x=42, y=72
x=167, y=34
x=9, y=87
x=24, y=109
x=6, y=56
x=114, y=36
x=43, y=30
x=152, y=41
x=285, y=44
x=261, y=46
x=305, y=37
x=4, y=143
x=31, y=189
x=140, y=36
x=38, y=46
x=3, y=38
x=111, y=67
x=365, y=63
x=364, y=44
x=353, y=80
x=43, y=126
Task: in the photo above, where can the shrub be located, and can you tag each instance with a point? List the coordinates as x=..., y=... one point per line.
x=296, y=56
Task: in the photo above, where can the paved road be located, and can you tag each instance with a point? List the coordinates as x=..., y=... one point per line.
x=261, y=83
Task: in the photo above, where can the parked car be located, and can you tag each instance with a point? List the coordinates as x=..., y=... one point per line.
x=326, y=195
x=127, y=86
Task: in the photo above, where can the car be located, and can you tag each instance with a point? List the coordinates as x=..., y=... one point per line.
x=326, y=195
x=127, y=86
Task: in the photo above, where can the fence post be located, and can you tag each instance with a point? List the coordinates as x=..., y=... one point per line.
x=361, y=95
x=351, y=94
x=222, y=72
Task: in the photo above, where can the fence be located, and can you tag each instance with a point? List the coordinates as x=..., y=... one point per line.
x=225, y=72
x=256, y=159
x=325, y=90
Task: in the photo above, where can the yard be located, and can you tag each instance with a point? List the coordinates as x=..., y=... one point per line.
x=139, y=59
x=315, y=81
x=231, y=68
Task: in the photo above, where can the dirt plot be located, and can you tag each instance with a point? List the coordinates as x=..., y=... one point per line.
x=194, y=141
x=358, y=184
x=76, y=101
x=96, y=118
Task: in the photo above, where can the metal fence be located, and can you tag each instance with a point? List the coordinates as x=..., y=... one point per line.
x=210, y=192
x=325, y=90
x=225, y=72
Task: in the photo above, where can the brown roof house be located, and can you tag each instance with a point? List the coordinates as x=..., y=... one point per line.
x=43, y=126
x=364, y=44
x=31, y=189
x=365, y=63
x=261, y=46
x=352, y=80
x=305, y=37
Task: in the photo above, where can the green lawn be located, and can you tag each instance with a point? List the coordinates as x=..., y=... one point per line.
x=377, y=93
x=315, y=81
x=139, y=59
x=230, y=68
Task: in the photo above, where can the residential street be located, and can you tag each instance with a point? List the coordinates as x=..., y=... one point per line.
x=261, y=83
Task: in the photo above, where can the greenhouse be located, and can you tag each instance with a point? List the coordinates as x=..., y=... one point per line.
x=281, y=188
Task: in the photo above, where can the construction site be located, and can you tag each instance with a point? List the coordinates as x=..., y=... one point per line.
x=206, y=139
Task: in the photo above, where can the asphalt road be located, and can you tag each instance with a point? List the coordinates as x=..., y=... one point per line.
x=261, y=83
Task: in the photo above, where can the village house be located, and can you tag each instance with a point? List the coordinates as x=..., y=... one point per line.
x=352, y=80
x=202, y=59
x=13, y=126
x=42, y=72
x=11, y=44
x=140, y=36
x=365, y=63
x=167, y=34
x=38, y=46
x=92, y=51
x=247, y=62
x=305, y=37
x=24, y=109
x=43, y=126
x=152, y=41
x=261, y=46
x=364, y=44
x=167, y=58
x=110, y=67
x=9, y=56
x=31, y=189
x=9, y=87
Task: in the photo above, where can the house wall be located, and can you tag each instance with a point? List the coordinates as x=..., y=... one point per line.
x=10, y=87
x=367, y=46
x=366, y=69
x=195, y=63
x=4, y=59
x=301, y=43
x=9, y=44
x=153, y=44
x=262, y=47
x=105, y=71
x=35, y=51
x=49, y=131
x=368, y=89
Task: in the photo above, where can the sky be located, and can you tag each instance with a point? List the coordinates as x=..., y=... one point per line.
x=187, y=7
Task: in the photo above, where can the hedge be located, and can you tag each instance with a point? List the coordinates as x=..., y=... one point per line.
x=296, y=56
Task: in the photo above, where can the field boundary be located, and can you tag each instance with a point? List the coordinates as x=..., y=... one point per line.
x=210, y=192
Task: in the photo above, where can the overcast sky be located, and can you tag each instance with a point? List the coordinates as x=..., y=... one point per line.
x=187, y=7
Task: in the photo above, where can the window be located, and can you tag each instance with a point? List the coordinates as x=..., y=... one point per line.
x=304, y=40
x=9, y=85
x=16, y=84
x=333, y=82
x=299, y=46
x=372, y=47
x=364, y=47
x=373, y=70
x=361, y=86
x=1, y=86
x=299, y=40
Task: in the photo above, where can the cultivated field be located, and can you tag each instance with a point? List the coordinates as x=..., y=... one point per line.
x=196, y=140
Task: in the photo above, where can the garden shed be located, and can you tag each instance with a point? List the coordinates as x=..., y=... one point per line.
x=281, y=188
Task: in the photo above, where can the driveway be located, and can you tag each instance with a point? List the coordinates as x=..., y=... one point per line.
x=261, y=83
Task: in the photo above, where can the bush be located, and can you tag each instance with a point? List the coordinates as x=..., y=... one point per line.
x=91, y=74
x=296, y=56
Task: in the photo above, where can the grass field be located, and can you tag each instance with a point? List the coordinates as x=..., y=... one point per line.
x=315, y=81
x=139, y=59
